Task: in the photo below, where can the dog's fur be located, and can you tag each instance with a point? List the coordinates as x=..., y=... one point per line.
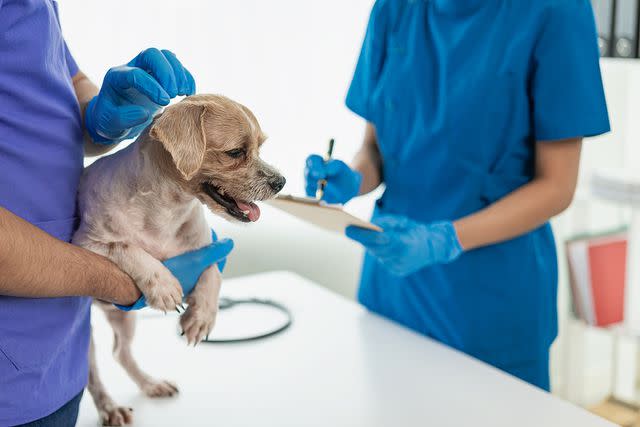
x=142, y=205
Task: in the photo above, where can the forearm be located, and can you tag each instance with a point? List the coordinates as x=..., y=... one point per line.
x=518, y=213
x=36, y=265
x=85, y=92
x=530, y=206
x=368, y=161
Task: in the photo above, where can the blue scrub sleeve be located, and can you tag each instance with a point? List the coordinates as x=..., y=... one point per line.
x=370, y=62
x=71, y=62
x=566, y=87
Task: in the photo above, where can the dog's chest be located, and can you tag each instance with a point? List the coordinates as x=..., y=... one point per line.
x=164, y=233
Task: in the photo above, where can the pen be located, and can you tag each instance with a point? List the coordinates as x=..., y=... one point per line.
x=323, y=182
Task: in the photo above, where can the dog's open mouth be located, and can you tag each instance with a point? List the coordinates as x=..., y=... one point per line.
x=240, y=210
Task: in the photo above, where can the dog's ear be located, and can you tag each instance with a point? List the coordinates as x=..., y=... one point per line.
x=180, y=129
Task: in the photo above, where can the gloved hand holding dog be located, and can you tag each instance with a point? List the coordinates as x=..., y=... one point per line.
x=131, y=94
x=188, y=267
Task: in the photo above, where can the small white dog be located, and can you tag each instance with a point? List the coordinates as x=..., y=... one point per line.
x=143, y=205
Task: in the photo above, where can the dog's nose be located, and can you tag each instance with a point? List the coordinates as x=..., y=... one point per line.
x=277, y=182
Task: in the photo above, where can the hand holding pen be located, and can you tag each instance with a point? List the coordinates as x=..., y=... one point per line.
x=331, y=180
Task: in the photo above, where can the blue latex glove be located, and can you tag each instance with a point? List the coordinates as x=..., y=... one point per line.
x=188, y=267
x=343, y=183
x=131, y=94
x=406, y=246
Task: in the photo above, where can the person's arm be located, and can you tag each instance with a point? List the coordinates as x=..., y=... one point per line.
x=85, y=91
x=368, y=161
x=36, y=265
x=548, y=194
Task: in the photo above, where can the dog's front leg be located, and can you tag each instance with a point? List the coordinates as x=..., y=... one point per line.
x=199, y=319
x=161, y=289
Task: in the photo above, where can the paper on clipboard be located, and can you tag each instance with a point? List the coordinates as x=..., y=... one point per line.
x=329, y=217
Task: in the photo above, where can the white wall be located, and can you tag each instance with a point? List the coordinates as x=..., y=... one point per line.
x=291, y=63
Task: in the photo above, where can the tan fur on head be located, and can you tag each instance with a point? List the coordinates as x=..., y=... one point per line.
x=194, y=141
x=180, y=129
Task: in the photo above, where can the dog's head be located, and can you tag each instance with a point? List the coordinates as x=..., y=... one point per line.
x=214, y=145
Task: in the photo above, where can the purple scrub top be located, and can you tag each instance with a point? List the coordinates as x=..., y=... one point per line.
x=43, y=342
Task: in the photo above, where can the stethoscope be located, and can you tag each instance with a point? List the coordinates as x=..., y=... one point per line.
x=228, y=303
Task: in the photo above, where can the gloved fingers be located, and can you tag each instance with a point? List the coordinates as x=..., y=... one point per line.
x=155, y=63
x=315, y=168
x=368, y=238
x=129, y=116
x=311, y=187
x=216, y=252
x=392, y=222
x=333, y=193
x=141, y=81
x=336, y=167
x=184, y=83
x=223, y=261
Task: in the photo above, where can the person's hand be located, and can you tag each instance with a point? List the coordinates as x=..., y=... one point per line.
x=406, y=246
x=343, y=183
x=131, y=94
x=188, y=267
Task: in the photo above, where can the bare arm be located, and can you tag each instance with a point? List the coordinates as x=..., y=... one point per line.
x=368, y=161
x=85, y=91
x=548, y=194
x=34, y=264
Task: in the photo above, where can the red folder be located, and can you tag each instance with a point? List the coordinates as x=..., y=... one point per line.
x=597, y=271
x=607, y=264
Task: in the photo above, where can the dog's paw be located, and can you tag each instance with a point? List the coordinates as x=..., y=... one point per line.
x=155, y=388
x=198, y=321
x=162, y=291
x=113, y=415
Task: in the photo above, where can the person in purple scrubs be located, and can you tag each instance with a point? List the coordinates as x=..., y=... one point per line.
x=51, y=116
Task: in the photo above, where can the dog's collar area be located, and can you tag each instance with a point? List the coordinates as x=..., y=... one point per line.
x=226, y=201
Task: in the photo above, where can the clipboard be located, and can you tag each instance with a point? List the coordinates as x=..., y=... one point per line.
x=329, y=217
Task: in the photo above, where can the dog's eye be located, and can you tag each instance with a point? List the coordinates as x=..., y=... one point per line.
x=235, y=154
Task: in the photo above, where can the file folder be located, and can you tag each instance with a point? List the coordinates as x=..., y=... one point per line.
x=603, y=11
x=625, y=31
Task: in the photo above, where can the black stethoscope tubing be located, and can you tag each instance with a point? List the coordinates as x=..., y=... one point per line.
x=226, y=303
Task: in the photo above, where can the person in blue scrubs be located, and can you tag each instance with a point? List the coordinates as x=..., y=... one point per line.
x=50, y=115
x=476, y=111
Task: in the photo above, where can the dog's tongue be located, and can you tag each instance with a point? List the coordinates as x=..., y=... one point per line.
x=252, y=208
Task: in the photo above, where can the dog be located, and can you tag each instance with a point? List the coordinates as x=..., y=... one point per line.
x=144, y=204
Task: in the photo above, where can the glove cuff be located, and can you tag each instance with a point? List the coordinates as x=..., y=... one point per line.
x=449, y=240
x=89, y=125
x=456, y=247
x=138, y=305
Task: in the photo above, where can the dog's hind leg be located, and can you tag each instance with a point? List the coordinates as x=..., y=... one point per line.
x=123, y=324
x=110, y=413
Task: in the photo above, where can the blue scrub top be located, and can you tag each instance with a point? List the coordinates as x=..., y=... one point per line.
x=459, y=92
x=44, y=343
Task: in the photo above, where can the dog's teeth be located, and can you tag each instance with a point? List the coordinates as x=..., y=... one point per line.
x=246, y=212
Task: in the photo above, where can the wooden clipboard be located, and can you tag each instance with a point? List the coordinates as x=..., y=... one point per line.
x=320, y=214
